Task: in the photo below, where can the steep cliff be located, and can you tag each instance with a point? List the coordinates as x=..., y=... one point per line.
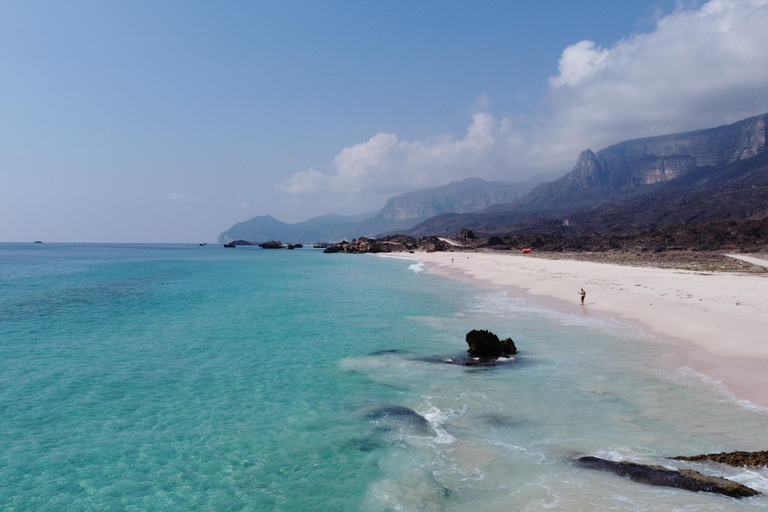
x=701, y=176
x=466, y=196
x=635, y=167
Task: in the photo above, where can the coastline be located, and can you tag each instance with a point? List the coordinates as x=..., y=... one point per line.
x=713, y=322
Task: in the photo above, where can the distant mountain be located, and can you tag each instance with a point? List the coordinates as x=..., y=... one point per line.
x=323, y=228
x=467, y=196
x=400, y=213
x=718, y=173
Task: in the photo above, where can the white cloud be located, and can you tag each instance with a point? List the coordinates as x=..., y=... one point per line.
x=700, y=67
x=385, y=165
x=579, y=61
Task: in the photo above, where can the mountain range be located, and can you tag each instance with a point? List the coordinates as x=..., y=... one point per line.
x=698, y=176
x=692, y=177
x=400, y=213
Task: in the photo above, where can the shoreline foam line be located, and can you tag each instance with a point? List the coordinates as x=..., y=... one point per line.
x=715, y=323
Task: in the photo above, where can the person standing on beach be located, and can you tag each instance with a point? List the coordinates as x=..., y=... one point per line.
x=583, y=294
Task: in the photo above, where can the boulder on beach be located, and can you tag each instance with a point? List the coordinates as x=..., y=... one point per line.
x=485, y=344
x=686, y=479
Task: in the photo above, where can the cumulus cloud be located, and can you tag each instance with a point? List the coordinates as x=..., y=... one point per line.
x=578, y=62
x=700, y=67
x=386, y=165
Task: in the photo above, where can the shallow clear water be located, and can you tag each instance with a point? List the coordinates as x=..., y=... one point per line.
x=202, y=378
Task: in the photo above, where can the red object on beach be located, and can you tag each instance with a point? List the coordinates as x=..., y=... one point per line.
x=526, y=251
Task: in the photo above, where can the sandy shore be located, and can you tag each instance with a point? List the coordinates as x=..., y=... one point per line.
x=715, y=323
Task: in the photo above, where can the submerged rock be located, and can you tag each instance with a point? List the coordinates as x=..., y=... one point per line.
x=399, y=416
x=398, y=411
x=387, y=351
x=737, y=459
x=686, y=479
x=485, y=344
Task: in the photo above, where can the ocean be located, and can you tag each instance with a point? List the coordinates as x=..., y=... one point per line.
x=181, y=377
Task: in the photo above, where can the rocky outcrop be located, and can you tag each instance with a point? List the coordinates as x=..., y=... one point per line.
x=393, y=243
x=737, y=459
x=658, y=475
x=271, y=245
x=625, y=168
x=485, y=344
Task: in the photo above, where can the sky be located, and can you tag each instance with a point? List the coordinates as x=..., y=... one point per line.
x=169, y=121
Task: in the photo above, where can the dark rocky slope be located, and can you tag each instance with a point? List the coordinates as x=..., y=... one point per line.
x=612, y=197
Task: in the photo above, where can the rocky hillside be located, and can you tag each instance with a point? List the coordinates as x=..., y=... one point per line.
x=721, y=173
x=467, y=196
x=635, y=167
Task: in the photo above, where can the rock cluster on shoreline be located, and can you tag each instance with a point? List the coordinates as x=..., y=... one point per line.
x=392, y=243
x=736, y=459
x=686, y=479
x=596, y=248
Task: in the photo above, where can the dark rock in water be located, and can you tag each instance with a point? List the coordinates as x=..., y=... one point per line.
x=467, y=360
x=367, y=444
x=485, y=344
x=501, y=421
x=398, y=411
x=271, y=245
x=686, y=479
x=737, y=459
x=290, y=247
x=386, y=351
x=333, y=249
x=402, y=415
x=298, y=246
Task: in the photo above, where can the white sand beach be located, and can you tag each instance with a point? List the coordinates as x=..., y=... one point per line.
x=713, y=322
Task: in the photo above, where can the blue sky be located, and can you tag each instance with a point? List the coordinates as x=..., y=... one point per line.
x=170, y=121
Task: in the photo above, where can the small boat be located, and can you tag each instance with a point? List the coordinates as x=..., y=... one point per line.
x=230, y=245
x=38, y=241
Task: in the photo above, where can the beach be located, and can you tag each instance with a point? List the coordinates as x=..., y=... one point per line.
x=713, y=322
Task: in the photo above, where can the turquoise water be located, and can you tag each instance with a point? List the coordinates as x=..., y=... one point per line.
x=143, y=377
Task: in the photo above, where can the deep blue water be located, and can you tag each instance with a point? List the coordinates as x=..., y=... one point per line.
x=172, y=377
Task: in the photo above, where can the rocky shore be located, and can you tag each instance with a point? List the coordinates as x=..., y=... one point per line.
x=592, y=249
